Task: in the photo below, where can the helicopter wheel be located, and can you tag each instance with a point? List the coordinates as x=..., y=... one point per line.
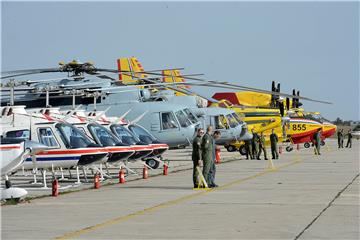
x=152, y=163
x=322, y=143
x=242, y=150
x=289, y=148
x=306, y=145
x=231, y=148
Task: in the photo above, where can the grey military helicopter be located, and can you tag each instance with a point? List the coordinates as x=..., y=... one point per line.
x=160, y=119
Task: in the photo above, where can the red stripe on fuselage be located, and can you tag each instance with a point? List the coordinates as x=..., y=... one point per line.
x=9, y=147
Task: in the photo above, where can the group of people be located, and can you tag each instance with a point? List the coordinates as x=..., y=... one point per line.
x=341, y=137
x=203, y=154
x=255, y=146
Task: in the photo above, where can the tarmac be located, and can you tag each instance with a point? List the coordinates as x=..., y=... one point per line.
x=304, y=197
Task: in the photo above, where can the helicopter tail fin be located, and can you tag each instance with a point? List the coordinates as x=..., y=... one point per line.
x=131, y=68
x=245, y=98
x=174, y=76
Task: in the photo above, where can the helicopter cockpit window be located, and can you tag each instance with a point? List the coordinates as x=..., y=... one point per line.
x=103, y=135
x=294, y=115
x=237, y=117
x=142, y=134
x=313, y=117
x=19, y=134
x=72, y=136
x=232, y=121
x=168, y=121
x=46, y=137
x=190, y=115
x=124, y=134
x=183, y=120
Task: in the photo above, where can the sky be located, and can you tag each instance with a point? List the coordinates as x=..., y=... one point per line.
x=310, y=46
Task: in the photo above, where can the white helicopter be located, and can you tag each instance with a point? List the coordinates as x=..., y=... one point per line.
x=67, y=146
x=13, y=155
x=120, y=152
x=131, y=133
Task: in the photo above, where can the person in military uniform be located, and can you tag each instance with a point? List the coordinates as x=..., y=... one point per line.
x=196, y=155
x=249, y=149
x=212, y=173
x=317, y=141
x=273, y=142
x=207, y=154
x=255, y=143
x=340, y=136
x=349, y=141
x=262, y=147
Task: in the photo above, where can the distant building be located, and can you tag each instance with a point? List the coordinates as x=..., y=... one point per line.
x=354, y=123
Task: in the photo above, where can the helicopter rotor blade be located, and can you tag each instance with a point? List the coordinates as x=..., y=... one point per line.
x=242, y=87
x=18, y=73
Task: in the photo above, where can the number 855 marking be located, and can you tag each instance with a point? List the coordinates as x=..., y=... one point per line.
x=299, y=127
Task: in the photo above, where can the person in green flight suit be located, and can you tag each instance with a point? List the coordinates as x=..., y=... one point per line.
x=249, y=149
x=212, y=184
x=349, y=141
x=262, y=146
x=196, y=155
x=207, y=145
x=317, y=141
x=255, y=143
x=340, y=136
x=273, y=142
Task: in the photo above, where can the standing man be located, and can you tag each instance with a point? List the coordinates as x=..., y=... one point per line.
x=212, y=183
x=207, y=144
x=262, y=146
x=317, y=141
x=273, y=141
x=249, y=149
x=340, y=138
x=349, y=141
x=255, y=143
x=196, y=155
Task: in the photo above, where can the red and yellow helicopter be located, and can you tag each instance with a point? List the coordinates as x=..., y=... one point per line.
x=264, y=112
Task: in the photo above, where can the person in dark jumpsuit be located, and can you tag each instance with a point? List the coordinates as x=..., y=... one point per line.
x=249, y=149
x=273, y=142
x=255, y=144
x=196, y=155
x=349, y=141
x=340, y=136
x=262, y=147
x=317, y=141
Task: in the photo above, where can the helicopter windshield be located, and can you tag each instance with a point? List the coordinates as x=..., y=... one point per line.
x=183, y=120
x=315, y=117
x=232, y=121
x=102, y=135
x=124, y=134
x=142, y=134
x=190, y=115
x=72, y=137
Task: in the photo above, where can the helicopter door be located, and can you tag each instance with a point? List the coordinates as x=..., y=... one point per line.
x=168, y=122
x=155, y=122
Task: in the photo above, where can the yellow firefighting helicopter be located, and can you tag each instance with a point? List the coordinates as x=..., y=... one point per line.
x=264, y=112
